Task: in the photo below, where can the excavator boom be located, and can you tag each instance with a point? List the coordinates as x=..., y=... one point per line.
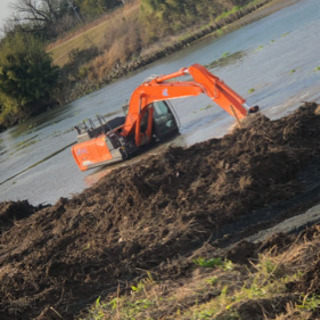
x=161, y=89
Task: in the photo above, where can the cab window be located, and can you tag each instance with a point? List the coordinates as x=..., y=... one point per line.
x=160, y=108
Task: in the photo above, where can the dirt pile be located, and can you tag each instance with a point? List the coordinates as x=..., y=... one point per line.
x=12, y=211
x=153, y=215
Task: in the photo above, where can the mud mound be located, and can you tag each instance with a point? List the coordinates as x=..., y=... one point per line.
x=299, y=254
x=12, y=211
x=146, y=216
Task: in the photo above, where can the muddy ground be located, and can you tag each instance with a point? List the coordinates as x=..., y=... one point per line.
x=152, y=216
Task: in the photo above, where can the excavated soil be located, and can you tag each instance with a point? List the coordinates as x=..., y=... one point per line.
x=154, y=215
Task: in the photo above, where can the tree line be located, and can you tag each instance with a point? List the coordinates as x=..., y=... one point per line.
x=28, y=79
x=51, y=18
x=29, y=82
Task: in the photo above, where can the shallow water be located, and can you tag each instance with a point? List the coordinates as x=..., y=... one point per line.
x=272, y=62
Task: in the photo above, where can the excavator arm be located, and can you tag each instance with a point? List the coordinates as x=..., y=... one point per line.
x=161, y=88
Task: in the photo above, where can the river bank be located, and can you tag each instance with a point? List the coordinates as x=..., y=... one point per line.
x=165, y=47
x=76, y=76
x=173, y=219
x=262, y=73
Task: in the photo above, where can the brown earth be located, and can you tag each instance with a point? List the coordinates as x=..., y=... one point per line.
x=155, y=215
x=13, y=211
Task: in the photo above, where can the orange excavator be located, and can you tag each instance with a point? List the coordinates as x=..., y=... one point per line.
x=150, y=117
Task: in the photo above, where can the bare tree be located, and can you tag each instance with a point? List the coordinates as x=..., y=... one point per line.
x=47, y=18
x=38, y=11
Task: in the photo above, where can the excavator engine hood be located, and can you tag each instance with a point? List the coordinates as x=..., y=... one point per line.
x=96, y=152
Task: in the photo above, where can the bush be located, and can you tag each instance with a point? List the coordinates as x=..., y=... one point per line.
x=27, y=78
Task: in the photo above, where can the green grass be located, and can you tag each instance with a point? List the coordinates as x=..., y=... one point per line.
x=226, y=58
x=266, y=283
x=91, y=35
x=210, y=263
x=26, y=143
x=206, y=108
x=228, y=13
x=216, y=289
x=143, y=302
x=285, y=34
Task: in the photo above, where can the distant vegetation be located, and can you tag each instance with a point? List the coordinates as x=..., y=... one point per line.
x=56, y=50
x=27, y=78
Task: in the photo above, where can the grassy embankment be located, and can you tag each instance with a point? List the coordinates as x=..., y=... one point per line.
x=121, y=42
x=280, y=283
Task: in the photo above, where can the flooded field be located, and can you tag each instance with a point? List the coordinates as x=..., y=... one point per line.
x=272, y=62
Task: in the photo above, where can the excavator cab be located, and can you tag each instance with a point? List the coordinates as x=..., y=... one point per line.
x=164, y=121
